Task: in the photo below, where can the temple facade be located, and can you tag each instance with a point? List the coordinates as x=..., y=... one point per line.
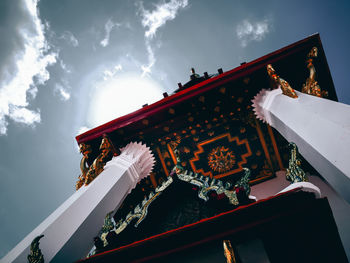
x=230, y=163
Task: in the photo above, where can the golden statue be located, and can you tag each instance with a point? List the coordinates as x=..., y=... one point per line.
x=311, y=86
x=285, y=87
x=107, y=152
x=85, y=149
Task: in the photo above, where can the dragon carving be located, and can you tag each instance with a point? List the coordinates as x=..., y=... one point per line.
x=85, y=149
x=35, y=255
x=139, y=213
x=205, y=185
x=107, y=227
x=294, y=173
x=285, y=87
x=107, y=152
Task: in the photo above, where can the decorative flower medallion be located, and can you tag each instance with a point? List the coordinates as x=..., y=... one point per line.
x=221, y=159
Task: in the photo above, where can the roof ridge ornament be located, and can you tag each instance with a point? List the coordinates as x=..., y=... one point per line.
x=35, y=255
x=107, y=150
x=283, y=84
x=294, y=172
x=311, y=86
x=229, y=251
x=85, y=149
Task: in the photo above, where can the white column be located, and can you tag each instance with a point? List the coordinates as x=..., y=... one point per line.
x=319, y=127
x=69, y=231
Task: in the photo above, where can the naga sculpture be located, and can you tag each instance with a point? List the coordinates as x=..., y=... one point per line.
x=107, y=227
x=35, y=255
x=285, y=87
x=85, y=149
x=205, y=186
x=311, y=86
x=107, y=152
x=141, y=210
x=139, y=213
x=294, y=173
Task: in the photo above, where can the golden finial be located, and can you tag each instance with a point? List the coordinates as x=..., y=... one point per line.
x=228, y=251
x=285, y=87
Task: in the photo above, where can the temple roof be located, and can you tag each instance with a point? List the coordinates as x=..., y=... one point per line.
x=209, y=123
x=289, y=61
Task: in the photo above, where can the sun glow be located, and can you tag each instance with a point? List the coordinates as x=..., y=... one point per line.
x=121, y=95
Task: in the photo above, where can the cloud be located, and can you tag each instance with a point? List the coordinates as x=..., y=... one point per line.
x=163, y=12
x=83, y=129
x=25, y=56
x=62, y=92
x=64, y=66
x=23, y=115
x=111, y=73
x=248, y=31
x=70, y=38
x=108, y=28
x=146, y=69
x=153, y=20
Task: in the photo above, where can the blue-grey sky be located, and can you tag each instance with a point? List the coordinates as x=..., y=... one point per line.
x=67, y=66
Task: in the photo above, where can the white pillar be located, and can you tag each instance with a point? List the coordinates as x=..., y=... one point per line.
x=69, y=231
x=319, y=127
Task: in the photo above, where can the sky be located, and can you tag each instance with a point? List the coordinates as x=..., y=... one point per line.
x=67, y=66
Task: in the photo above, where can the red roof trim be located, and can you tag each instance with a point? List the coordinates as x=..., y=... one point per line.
x=199, y=88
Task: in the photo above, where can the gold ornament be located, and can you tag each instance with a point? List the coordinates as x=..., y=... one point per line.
x=285, y=87
x=85, y=149
x=311, y=86
x=107, y=151
x=228, y=251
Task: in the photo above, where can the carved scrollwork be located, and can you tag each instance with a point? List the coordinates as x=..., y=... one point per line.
x=294, y=172
x=85, y=149
x=108, y=226
x=285, y=87
x=141, y=210
x=139, y=214
x=107, y=152
x=206, y=184
x=35, y=255
x=311, y=86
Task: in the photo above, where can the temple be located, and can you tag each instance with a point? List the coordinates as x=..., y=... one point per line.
x=238, y=166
